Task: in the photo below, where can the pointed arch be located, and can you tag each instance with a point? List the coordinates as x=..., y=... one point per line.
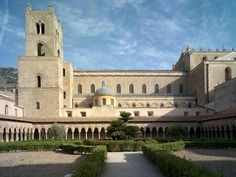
x=131, y=88
x=156, y=89
x=118, y=88
x=93, y=88
x=80, y=89
x=41, y=49
x=6, y=109
x=144, y=89
x=228, y=74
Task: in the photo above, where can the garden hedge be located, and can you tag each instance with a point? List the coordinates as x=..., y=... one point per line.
x=93, y=163
x=173, y=166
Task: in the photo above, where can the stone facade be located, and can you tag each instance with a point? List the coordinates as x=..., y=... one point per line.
x=49, y=91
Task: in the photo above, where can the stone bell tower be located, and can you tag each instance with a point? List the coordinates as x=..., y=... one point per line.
x=40, y=71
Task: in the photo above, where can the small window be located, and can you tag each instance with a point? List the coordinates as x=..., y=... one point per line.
x=80, y=89
x=181, y=88
x=76, y=105
x=42, y=28
x=131, y=88
x=150, y=113
x=64, y=72
x=148, y=105
x=161, y=105
x=119, y=105
x=136, y=113
x=39, y=81
x=92, y=88
x=104, y=101
x=156, y=89
x=228, y=75
x=168, y=88
x=83, y=114
x=186, y=113
x=37, y=28
x=37, y=105
x=69, y=113
x=118, y=88
x=64, y=95
x=134, y=105
x=112, y=101
x=6, y=109
x=198, y=113
x=144, y=89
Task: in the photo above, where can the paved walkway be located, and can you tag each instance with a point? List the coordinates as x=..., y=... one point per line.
x=129, y=164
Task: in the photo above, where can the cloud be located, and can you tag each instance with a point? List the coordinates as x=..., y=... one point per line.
x=5, y=21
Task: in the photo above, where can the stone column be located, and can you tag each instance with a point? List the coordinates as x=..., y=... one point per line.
x=92, y=135
x=7, y=137
x=39, y=135
x=86, y=134
x=17, y=136
x=73, y=135
x=21, y=136
x=99, y=135
x=79, y=134
x=12, y=137
x=46, y=135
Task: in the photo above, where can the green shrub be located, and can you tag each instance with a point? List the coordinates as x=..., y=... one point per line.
x=58, y=131
x=210, y=144
x=177, y=132
x=117, y=146
x=173, y=166
x=93, y=163
x=76, y=149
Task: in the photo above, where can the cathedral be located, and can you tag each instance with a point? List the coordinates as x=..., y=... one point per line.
x=199, y=93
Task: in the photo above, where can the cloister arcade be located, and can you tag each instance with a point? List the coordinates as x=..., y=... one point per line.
x=11, y=131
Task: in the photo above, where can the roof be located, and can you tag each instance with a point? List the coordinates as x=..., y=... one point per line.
x=229, y=56
x=104, y=90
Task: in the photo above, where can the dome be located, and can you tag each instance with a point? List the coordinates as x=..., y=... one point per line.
x=104, y=90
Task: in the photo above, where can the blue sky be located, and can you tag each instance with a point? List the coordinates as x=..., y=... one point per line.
x=124, y=34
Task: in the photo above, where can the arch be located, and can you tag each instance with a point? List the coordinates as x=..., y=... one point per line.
x=142, y=132
x=168, y=88
x=161, y=105
x=93, y=88
x=118, y=88
x=160, y=133
x=204, y=58
x=169, y=105
x=191, y=132
x=50, y=133
x=42, y=28
x=41, y=48
x=43, y=134
x=69, y=134
x=5, y=135
x=140, y=105
x=144, y=89
x=228, y=74
x=76, y=133
x=36, y=134
x=119, y=105
x=80, y=89
x=83, y=133
x=89, y=133
x=215, y=57
x=134, y=105
x=148, y=132
x=183, y=105
x=103, y=133
x=176, y=105
x=131, y=88
x=37, y=28
x=154, y=105
x=154, y=132
x=156, y=89
x=6, y=109
x=96, y=133
x=181, y=88
x=127, y=105
x=148, y=105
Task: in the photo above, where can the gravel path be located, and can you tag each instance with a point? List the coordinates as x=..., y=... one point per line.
x=37, y=164
x=129, y=164
x=222, y=161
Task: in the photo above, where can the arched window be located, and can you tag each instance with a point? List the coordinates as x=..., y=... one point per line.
x=181, y=88
x=41, y=49
x=42, y=28
x=92, y=88
x=119, y=105
x=161, y=105
x=80, y=89
x=144, y=88
x=204, y=58
x=64, y=72
x=131, y=88
x=37, y=28
x=148, y=105
x=118, y=88
x=228, y=75
x=6, y=109
x=39, y=81
x=169, y=88
x=156, y=89
x=134, y=105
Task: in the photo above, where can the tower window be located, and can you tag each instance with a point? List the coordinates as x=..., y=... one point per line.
x=156, y=88
x=37, y=105
x=6, y=109
x=168, y=88
x=42, y=28
x=144, y=88
x=131, y=88
x=39, y=81
x=92, y=88
x=64, y=72
x=41, y=49
x=37, y=28
x=80, y=89
x=118, y=88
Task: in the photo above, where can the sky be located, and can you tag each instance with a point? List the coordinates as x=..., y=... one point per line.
x=124, y=34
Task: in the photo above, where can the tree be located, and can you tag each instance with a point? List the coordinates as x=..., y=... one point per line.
x=58, y=131
x=125, y=116
x=118, y=129
x=177, y=132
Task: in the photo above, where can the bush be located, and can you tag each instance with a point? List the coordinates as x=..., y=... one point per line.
x=58, y=131
x=93, y=163
x=117, y=146
x=210, y=144
x=173, y=166
x=177, y=132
